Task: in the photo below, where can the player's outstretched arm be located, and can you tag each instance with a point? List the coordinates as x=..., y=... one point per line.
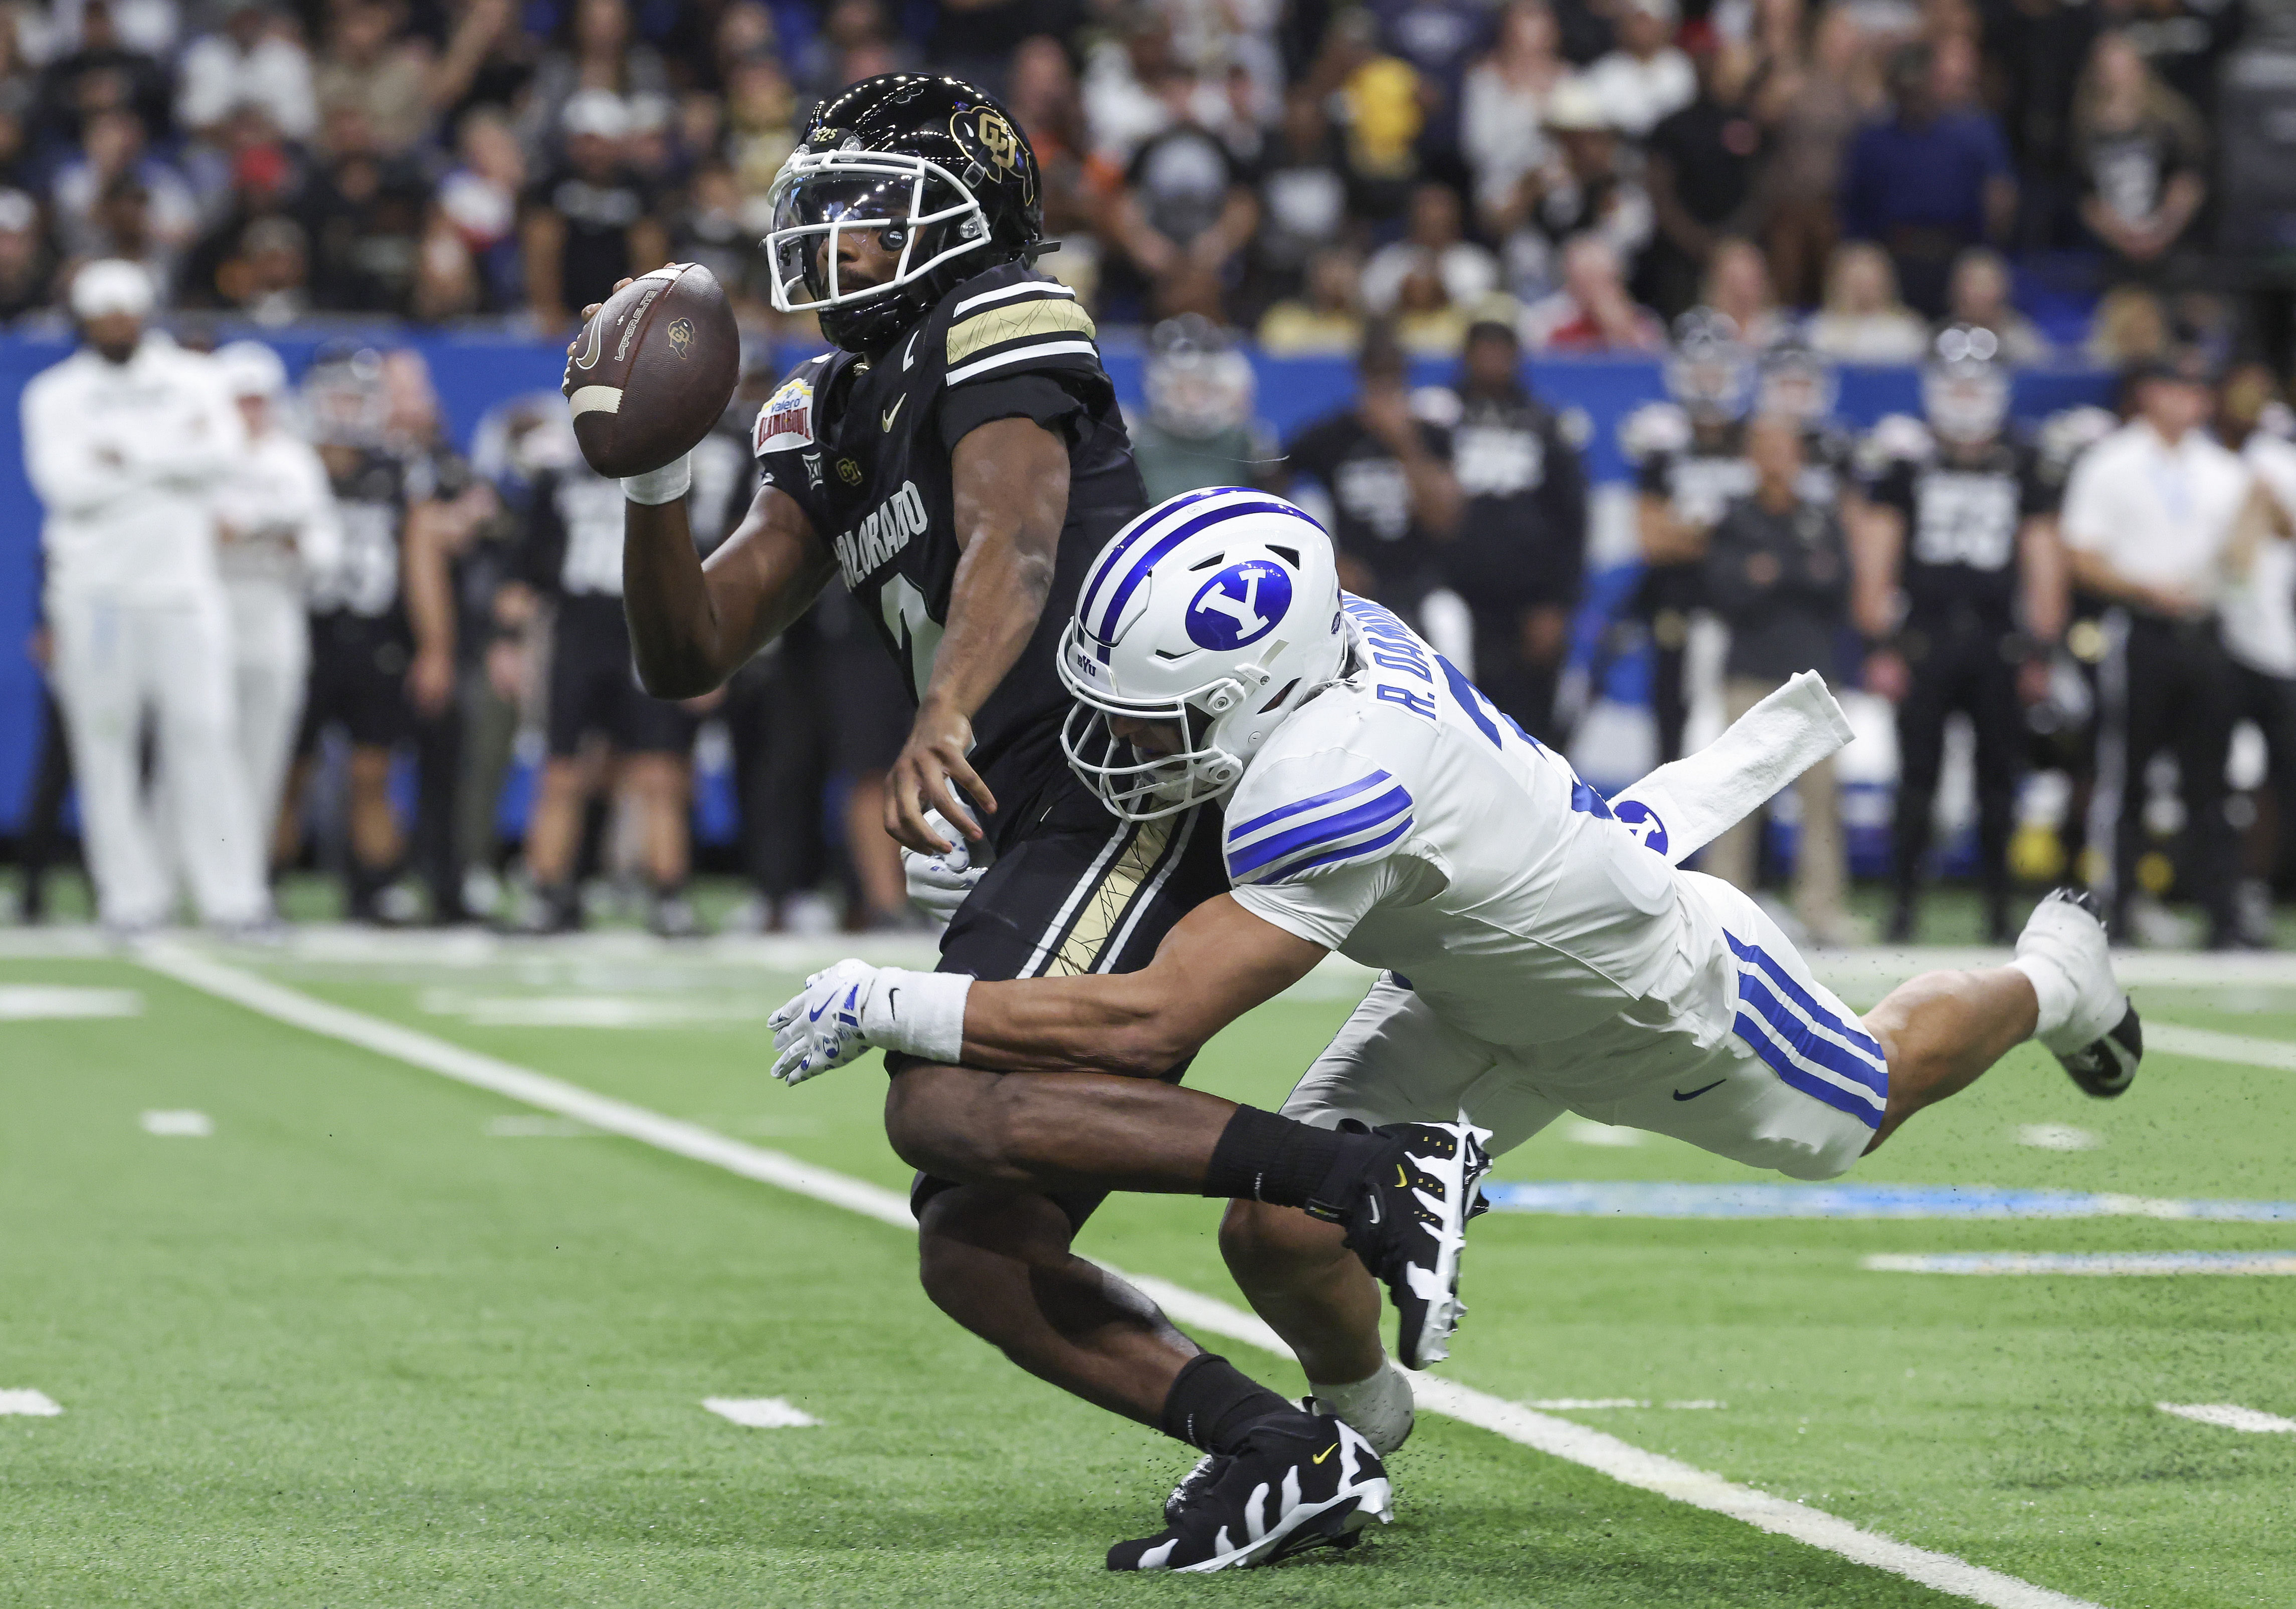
x=692, y=624
x=1218, y=962
x=1010, y=481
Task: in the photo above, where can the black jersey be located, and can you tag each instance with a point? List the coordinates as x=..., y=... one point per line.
x=1522, y=537
x=865, y=449
x=1962, y=518
x=372, y=498
x=573, y=546
x=1373, y=519
x=1699, y=475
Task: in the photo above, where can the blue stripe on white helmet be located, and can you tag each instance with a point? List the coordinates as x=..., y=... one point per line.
x=1218, y=612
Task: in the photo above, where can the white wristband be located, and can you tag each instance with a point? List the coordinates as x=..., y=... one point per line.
x=917, y=1014
x=667, y=484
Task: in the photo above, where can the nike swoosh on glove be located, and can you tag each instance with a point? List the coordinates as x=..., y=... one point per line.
x=819, y=1029
x=939, y=883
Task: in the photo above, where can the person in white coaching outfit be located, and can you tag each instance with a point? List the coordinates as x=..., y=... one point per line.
x=126, y=442
x=2148, y=521
x=277, y=526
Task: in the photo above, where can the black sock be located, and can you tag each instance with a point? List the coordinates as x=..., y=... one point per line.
x=1213, y=1404
x=1263, y=1157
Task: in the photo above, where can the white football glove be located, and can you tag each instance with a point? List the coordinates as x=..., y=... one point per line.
x=820, y=1030
x=939, y=883
x=854, y=1007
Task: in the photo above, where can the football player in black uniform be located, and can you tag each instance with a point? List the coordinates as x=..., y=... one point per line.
x=1690, y=463
x=371, y=667
x=1963, y=589
x=959, y=460
x=572, y=554
x=1521, y=553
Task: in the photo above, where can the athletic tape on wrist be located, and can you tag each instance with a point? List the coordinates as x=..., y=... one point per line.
x=917, y=1014
x=667, y=484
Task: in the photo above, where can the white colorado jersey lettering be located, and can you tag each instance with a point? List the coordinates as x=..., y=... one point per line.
x=1399, y=818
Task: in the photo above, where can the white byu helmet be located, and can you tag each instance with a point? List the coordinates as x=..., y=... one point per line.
x=1218, y=609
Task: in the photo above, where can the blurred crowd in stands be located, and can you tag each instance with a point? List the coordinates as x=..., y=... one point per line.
x=1288, y=167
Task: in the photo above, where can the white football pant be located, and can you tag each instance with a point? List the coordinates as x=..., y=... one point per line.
x=115, y=660
x=271, y=665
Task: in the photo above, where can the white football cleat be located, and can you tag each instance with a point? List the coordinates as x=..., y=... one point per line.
x=2101, y=1041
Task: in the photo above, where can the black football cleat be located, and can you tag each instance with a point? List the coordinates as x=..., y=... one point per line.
x=1408, y=1223
x=2101, y=1044
x=1299, y=1481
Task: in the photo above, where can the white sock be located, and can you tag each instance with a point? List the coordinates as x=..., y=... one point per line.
x=2053, y=988
x=1379, y=1407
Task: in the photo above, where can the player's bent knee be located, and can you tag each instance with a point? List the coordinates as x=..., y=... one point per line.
x=1265, y=1241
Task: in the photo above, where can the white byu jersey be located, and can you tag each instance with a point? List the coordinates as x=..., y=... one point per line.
x=1399, y=818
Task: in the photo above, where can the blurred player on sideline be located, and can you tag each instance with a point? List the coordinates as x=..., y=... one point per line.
x=275, y=521
x=1689, y=463
x=1961, y=589
x=1521, y=554
x=366, y=674
x=1199, y=429
x=126, y=442
x=572, y=555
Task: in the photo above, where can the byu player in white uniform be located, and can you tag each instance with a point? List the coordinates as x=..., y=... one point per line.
x=1538, y=955
x=126, y=442
x=276, y=521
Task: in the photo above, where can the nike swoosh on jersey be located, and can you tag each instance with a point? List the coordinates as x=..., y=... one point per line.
x=893, y=410
x=1326, y=1453
x=1694, y=1093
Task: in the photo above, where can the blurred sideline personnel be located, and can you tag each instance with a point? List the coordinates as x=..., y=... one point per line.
x=2148, y=522
x=2259, y=623
x=1690, y=464
x=1777, y=572
x=1962, y=595
x=276, y=523
x=572, y=557
x=369, y=673
x=444, y=531
x=126, y=442
x=1793, y=381
x=1519, y=556
x=1386, y=472
x=1199, y=429
x=907, y=219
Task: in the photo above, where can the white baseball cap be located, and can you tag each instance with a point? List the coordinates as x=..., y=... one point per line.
x=251, y=369
x=598, y=111
x=111, y=285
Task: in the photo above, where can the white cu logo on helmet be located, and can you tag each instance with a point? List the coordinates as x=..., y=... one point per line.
x=1223, y=659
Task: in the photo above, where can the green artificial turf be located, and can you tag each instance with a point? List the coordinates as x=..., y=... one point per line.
x=362, y=1345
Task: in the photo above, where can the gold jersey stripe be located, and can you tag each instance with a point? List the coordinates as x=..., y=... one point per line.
x=1103, y=912
x=993, y=326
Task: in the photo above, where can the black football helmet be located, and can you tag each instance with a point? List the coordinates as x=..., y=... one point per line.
x=935, y=167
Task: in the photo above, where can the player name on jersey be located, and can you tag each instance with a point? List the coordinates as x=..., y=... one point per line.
x=879, y=537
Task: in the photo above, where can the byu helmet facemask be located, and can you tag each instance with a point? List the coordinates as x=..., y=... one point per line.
x=1215, y=610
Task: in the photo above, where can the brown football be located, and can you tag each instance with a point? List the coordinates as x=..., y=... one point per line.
x=652, y=372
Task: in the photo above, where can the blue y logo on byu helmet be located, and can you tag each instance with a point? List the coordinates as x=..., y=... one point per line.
x=1240, y=605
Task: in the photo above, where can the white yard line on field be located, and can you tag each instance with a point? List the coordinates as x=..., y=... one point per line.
x=1561, y=1438
x=2231, y=1415
x=760, y=1413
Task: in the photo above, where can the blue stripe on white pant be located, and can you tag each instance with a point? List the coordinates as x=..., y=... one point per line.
x=1808, y=1046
